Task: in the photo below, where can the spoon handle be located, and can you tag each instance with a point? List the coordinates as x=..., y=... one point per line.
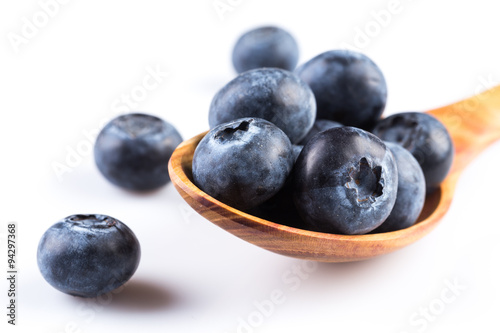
x=473, y=123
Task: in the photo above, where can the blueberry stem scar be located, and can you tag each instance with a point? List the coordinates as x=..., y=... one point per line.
x=227, y=133
x=366, y=181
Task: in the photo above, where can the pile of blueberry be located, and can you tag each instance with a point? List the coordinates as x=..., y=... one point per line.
x=308, y=148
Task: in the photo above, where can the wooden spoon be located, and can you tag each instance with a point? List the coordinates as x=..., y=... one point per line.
x=473, y=123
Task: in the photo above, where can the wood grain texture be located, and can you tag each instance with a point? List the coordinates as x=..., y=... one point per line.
x=473, y=123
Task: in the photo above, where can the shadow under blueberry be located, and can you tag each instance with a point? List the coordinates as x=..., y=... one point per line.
x=145, y=193
x=134, y=296
x=141, y=295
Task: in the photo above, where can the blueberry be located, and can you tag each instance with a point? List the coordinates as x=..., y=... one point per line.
x=348, y=86
x=319, y=125
x=132, y=151
x=273, y=94
x=88, y=255
x=411, y=191
x=426, y=138
x=265, y=47
x=345, y=181
x=243, y=163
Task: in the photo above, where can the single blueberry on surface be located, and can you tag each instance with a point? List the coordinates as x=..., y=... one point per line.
x=345, y=181
x=319, y=125
x=265, y=47
x=132, y=151
x=243, y=162
x=411, y=191
x=348, y=86
x=272, y=94
x=88, y=255
x=425, y=138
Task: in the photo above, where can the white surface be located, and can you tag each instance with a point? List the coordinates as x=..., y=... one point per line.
x=194, y=277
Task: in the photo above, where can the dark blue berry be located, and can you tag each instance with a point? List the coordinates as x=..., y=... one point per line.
x=425, y=138
x=132, y=151
x=348, y=86
x=265, y=47
x=88, y=255
x=345, y=181
x=411, y=191
x=272, y=94
x=243, y=163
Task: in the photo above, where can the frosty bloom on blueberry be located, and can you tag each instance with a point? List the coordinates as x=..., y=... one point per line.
x=88, y=255
x=243, y=162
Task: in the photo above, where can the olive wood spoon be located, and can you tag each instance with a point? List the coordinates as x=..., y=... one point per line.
x=473, y=123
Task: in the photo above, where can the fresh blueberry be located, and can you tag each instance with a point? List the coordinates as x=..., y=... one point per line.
x=243, y=163
x=345, y=181
x=411, y=191
x=132, y=151
x=320, y=125
x=426, y=138
x=272, y=94
x=265, y=47
x=348, y=86
x=88, y=255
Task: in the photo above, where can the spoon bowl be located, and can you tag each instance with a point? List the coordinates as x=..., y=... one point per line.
x=473, y=123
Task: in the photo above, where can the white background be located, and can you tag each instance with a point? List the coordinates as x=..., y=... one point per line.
x=70, y=76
